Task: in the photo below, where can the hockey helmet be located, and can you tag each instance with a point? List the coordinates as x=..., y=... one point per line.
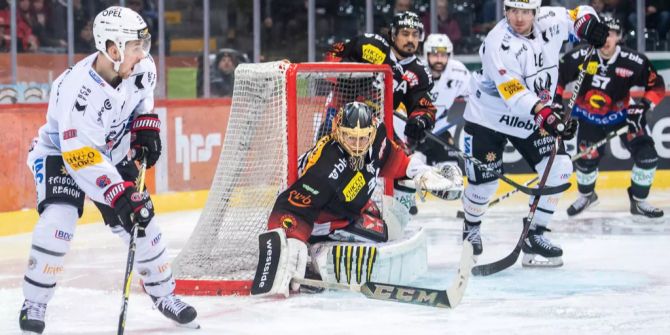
x=120, y=25
x=355, y=128
x=406, y=20
x=523, y=4
x=437, y=43
x=612, y=24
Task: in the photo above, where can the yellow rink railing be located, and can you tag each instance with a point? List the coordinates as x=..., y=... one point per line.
x=23, y=221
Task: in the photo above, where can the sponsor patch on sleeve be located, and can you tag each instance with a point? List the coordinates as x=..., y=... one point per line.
x=81, y=158
x=510, y=88
x=354, y=186
x=373, y=54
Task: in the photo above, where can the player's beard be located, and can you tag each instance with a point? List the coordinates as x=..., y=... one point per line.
x=438, y=66
x=402, y=52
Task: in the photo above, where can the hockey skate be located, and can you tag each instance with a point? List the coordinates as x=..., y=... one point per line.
x=582, y=203
x=176, y=310
x=472, y=234
x=536, y=244
x=642, y=207
x=31, y=319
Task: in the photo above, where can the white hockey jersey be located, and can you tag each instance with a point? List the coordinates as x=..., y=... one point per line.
x=88, y=122
x=453, y=83
x=519, y=71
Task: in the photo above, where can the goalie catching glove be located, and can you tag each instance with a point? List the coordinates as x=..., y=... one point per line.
x=444, y=182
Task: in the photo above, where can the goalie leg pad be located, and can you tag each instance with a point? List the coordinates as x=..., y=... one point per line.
x=279, y=260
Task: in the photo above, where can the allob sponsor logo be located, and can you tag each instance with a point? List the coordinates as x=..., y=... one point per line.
x=513, y=121
x=193, y=148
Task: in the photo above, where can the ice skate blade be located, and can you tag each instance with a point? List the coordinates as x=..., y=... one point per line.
x=191, y=325
x=537, y=261
x=27, y=332
x=589, y=206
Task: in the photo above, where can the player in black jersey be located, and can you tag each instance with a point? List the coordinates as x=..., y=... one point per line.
x=332, y=196
x=605, y=105
x=411, y=81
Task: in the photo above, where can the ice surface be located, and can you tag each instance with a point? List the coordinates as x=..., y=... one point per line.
x=616, y=280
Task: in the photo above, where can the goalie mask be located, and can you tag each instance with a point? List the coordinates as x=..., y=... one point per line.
x=355, y=129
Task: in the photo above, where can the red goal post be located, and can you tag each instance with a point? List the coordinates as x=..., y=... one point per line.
x=276, y=113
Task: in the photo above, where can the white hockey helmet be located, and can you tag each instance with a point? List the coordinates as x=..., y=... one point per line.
x=120, y=25
x=437, y=43
x=523, y=4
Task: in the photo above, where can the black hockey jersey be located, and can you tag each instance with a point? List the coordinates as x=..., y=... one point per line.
x=605, y=95
x=412, y=82
x=328, y=188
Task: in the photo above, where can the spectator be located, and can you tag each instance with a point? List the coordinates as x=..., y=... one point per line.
x=657, y=14
x=27, y=42
x=224, y=75
x=84, y=42
x=222, y=72
x=445, y=23
x=598, y=6
x=383, y=21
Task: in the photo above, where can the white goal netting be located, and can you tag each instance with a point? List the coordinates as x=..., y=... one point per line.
x=278, y=111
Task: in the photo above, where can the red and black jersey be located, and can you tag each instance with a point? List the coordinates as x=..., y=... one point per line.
x=412, y=82
x=329, y=188
x=605, y=95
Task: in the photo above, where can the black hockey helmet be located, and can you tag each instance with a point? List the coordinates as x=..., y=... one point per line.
x=612, y=24
x=406, y=20
x=355, y=128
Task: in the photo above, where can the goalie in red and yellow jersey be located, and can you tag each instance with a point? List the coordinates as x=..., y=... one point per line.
x=332, y=196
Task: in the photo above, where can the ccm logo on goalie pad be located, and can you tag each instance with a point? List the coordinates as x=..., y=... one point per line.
x=269, y=245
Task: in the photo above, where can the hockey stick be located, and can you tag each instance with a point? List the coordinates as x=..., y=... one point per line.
x=448, y=298
x=131, y=256
x=530, y=191
x=610, y=135
x=510, y=259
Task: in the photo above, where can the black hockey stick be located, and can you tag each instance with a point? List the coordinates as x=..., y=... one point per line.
x=509, y=260
x=527, y=190
x=131, y=256
x=610, y=135
x=448, y=298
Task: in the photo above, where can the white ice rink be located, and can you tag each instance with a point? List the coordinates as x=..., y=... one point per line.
x=616, y=280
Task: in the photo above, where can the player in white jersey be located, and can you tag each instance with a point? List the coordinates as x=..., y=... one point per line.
x=451, y=80
x=510, y=99
x=98, y=110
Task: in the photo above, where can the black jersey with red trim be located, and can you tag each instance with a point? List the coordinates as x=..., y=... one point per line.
x=412, y=82
x=606, y=93
x=329, y=187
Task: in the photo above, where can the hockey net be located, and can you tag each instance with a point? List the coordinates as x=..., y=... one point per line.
x=278, y=111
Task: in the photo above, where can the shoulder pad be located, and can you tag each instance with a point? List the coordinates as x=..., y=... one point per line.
x=375, y=37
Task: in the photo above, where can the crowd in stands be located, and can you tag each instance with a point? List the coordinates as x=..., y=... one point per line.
x=42, y=24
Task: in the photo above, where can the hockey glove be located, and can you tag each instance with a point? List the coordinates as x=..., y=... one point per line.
x=415, y=129
x=550, y=118
x=145, y=138
x=128, y=203
x=635, y=118
x=593, y=31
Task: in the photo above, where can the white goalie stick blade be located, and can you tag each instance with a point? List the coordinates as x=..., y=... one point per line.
x=536, y=261
x=410, y=294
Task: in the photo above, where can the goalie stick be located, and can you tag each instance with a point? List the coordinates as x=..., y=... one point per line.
x=448, y=298
x=527, y=190
x=511, y=258
x=610, y=135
